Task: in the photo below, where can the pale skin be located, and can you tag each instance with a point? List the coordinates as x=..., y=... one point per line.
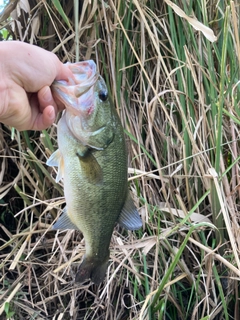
x=26, y=74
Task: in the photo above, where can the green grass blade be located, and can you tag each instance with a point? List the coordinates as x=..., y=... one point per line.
x=221, y=93
x=60, y=10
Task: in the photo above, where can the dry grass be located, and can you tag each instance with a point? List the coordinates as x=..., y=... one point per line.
x=178, y=98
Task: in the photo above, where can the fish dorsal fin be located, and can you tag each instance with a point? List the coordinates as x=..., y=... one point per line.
x=91, y=169
x=56, y=160
x=64, y=222
x=129, y=217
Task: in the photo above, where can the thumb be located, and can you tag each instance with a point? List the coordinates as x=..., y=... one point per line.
x=64, y=73
x=45, y=119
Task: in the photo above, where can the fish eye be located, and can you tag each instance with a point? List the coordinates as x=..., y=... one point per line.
x=103, y=95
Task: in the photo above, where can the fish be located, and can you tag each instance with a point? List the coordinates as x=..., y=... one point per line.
x=92, y=162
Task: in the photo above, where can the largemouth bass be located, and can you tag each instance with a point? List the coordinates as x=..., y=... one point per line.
x=92, y=161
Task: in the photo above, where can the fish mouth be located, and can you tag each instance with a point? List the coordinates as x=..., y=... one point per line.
x=76, y=88
x=76, y=95
x=84, y=75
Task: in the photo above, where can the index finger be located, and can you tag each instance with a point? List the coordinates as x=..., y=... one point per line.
x=34, y=67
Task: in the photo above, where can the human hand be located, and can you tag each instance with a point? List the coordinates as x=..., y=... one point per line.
x=26, y=74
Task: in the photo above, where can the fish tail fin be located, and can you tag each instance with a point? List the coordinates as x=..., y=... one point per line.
x=93, y=269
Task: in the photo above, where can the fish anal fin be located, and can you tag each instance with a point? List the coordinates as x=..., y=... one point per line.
x=129, y=217
x=91, y=169
x=64, y=222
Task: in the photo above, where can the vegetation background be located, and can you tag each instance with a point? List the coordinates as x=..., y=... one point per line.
x=177, y=91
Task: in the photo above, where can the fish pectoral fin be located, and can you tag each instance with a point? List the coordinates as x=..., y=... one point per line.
x=64, y=222
x=129, y=217
x=56, y=160
x=91, y=169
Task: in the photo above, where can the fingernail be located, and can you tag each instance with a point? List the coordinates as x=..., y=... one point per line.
x=51, y=113
x=46, y=94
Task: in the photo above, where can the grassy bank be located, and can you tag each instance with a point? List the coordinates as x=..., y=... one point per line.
x=177, y=91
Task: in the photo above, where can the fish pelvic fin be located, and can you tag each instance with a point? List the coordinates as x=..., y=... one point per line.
x=56, y=160
x=129, y=217
x=93, y=269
